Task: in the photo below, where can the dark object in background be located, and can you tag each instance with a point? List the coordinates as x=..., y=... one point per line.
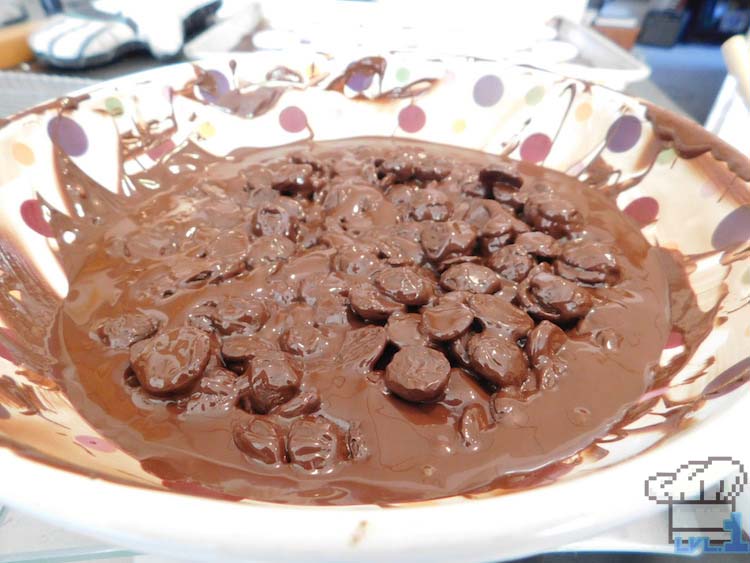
x=715, y=21
x=663, y=28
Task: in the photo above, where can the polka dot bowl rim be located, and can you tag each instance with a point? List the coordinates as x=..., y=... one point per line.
x=481, y=105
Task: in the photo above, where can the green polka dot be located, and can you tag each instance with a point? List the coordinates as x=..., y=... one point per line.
x=535, y=95
x=114, y=106
x=402, y=74
x=666, y=156
x=746, y=277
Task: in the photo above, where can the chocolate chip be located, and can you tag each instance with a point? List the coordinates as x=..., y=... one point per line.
x=446, y=320
x=304, y=341
x=272, y=219
x=471, y=425
x=239, y=315
x=499, y=316
x=216, y=393
x=356, y=443
x=590, y=263
x=261, y=440
x=448, y=239
x=171, y=361
x=306, y=402
x=405, y=329
x=445, y=264
x=243, y=348
x=546, y=296
x=542, y=347
x=273, y=381
x=498, y=360
x=512, y=262
x=125, y=330
x=357, y=261
x=539, y=244
x=362, y=348
x=430, y=205
x=493, y=175
x=553, y=215
x=398, y=250
x=470, y=277
x=508, y=411
x=501, y=229
x=316, y=444
x=404, y=285
x=417, y=374
x=458, y=349
x=291, y=179
x=269, y=250
x=371, y=304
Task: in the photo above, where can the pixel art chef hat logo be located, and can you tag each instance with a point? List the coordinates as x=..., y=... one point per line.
x=716, y=479
x=702, y=499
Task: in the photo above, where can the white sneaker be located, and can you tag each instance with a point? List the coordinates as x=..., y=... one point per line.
x=97, y=32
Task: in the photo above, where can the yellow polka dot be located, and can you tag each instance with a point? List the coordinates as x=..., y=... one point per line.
x=15, y=294
x=459, y=125
x=22, y=154
x=206, y=130
x=584, y=111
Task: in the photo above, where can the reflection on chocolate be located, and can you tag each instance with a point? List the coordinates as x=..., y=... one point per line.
x=317, y=323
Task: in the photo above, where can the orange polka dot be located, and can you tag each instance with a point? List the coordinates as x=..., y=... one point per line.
x=22, y=154
x=584, y=111
x=459, y=125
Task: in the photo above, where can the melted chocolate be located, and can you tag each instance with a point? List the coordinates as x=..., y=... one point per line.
x=330, y=328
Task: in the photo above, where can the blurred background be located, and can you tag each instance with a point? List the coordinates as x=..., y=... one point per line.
x=690, y=56
x=667, y=51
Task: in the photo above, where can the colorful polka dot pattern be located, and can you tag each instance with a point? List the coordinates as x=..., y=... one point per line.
x=488, y=90
x=412, y=118
x=68, y=135
x=216, y=85
x=22, y=154
x=536, y=147
x=643, y=210
x=733, y=229
x=624, y=133
x=32, y=215
x=292, y=119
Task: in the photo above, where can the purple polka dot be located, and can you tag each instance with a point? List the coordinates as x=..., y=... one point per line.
x=624, y=133
x=733, y=229
x=31, y=213
x=94, y=443
x=643, y=210
x=4, y=414
x=67, y=135
x=411, y=119
x=359, y=81
x=213, y=85
x=292, y=119
x=536, y=147
x=488, y=90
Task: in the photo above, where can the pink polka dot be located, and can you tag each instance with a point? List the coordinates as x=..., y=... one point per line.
x=31, y=213
x=643, y=210
x=536, y=147
x=674, y=340
x=158, y=151
x=412, y=118
x=292, y=119
x=94, y=443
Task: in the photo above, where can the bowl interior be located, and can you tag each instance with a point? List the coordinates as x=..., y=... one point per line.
x=695, y=206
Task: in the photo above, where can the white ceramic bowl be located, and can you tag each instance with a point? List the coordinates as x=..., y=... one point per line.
x=55, y=465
